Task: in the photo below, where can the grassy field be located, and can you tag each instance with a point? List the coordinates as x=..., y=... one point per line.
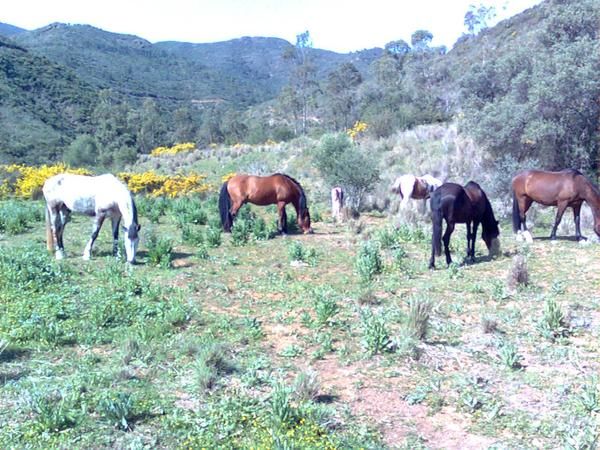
x=341, y=339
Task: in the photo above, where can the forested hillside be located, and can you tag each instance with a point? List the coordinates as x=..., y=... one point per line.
x=526, y=89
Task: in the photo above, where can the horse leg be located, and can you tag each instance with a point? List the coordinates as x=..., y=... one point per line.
x=524, y=205
x=576, y=217
x=62, y=219
x=282, y=222
x=56, y=229
x=559, y=213
x=98, y=221
x=474, y=239
x=235, y=207
x=116, y=220
x=470, y=242
x=446, y=239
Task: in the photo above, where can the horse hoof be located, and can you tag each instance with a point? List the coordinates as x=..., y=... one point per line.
x=60, y=254
x=528, y=237
x=86, y=257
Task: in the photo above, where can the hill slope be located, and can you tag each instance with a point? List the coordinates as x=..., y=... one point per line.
x=42, y=105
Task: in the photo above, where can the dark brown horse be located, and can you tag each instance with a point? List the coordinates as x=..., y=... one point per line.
x=455, y=204
x=278, y=189
x=567, y=188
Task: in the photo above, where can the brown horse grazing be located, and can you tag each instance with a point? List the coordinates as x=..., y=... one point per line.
x=276, y=189
x=455, y=204
x=561, y=189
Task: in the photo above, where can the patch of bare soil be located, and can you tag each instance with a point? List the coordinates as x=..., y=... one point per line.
x=382, y=404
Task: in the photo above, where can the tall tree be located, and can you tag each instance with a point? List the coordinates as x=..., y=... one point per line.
x=342, y=85
x=303, y=81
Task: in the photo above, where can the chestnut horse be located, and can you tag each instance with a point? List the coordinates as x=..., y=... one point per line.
x=567, y=188
x=455, y=204
x=276, y=189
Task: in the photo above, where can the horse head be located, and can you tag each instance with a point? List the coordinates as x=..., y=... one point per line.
x=131, y=239
x=489, y=234
x=304, y=221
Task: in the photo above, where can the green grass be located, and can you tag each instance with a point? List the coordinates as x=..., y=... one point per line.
x=211, y=347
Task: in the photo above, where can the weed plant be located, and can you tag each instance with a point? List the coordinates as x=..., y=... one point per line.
x=117, y=408
x=376, y=338
x=368, y=262
x=160, y=250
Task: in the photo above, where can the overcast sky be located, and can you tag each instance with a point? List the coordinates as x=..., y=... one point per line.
x=338, y=25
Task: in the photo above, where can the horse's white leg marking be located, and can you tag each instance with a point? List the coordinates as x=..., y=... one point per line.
x=528, y=237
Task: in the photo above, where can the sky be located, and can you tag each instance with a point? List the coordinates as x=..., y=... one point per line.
x=338, y=25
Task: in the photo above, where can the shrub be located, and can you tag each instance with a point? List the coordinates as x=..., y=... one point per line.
x=343, y=163
x=54, y=411
x=213, y=236
x=417, y=322
x=325, y=306
x=240, y=231
x=191, y=234
x=553, y=324
x=368, y=262
x=211, y=362
x=117, y=408
x=306, y=385
x=376, y=338
x=160, y=250
x=509, y=355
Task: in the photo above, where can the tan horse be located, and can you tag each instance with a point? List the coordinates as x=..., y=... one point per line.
x=567, y=188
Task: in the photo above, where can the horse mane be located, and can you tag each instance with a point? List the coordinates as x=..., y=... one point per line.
x=302, y=200
x=133, y=230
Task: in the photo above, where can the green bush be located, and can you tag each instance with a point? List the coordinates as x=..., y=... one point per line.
x=160, y=250
x=368, y=262
x=117, y=408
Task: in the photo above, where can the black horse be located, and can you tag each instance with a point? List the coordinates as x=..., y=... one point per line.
x=468, y=205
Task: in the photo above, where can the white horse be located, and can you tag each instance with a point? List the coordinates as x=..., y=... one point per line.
x=99, y=197
x=410, y=186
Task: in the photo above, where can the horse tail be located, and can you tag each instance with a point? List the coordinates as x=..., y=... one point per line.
x=516, y=214
x=49, y=234
x=225, y=207
x=436, y=221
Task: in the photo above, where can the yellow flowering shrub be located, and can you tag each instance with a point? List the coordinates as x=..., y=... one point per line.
x=357, y=129
x=177, y=148
x=228, y=176
x=157, y=185
x=26, y=182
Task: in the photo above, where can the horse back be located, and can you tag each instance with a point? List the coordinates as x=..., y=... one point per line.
x=260, y=190
x=550, y=188
x=455, y=204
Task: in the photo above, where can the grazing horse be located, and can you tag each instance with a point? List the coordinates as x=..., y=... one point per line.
x=99, y=197
x=410, y=186
x=561, y=189
x=455, y=204
x=276, y=189
x=337, y=203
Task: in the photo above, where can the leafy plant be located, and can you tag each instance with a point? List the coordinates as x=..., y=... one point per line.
x=160, y=250
x=553, y=324
x=368, y=262
x=54, y=411
x=325, y=306
x=117, y=408
x=241, y=231
x=509, y=354
x=376, y=338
